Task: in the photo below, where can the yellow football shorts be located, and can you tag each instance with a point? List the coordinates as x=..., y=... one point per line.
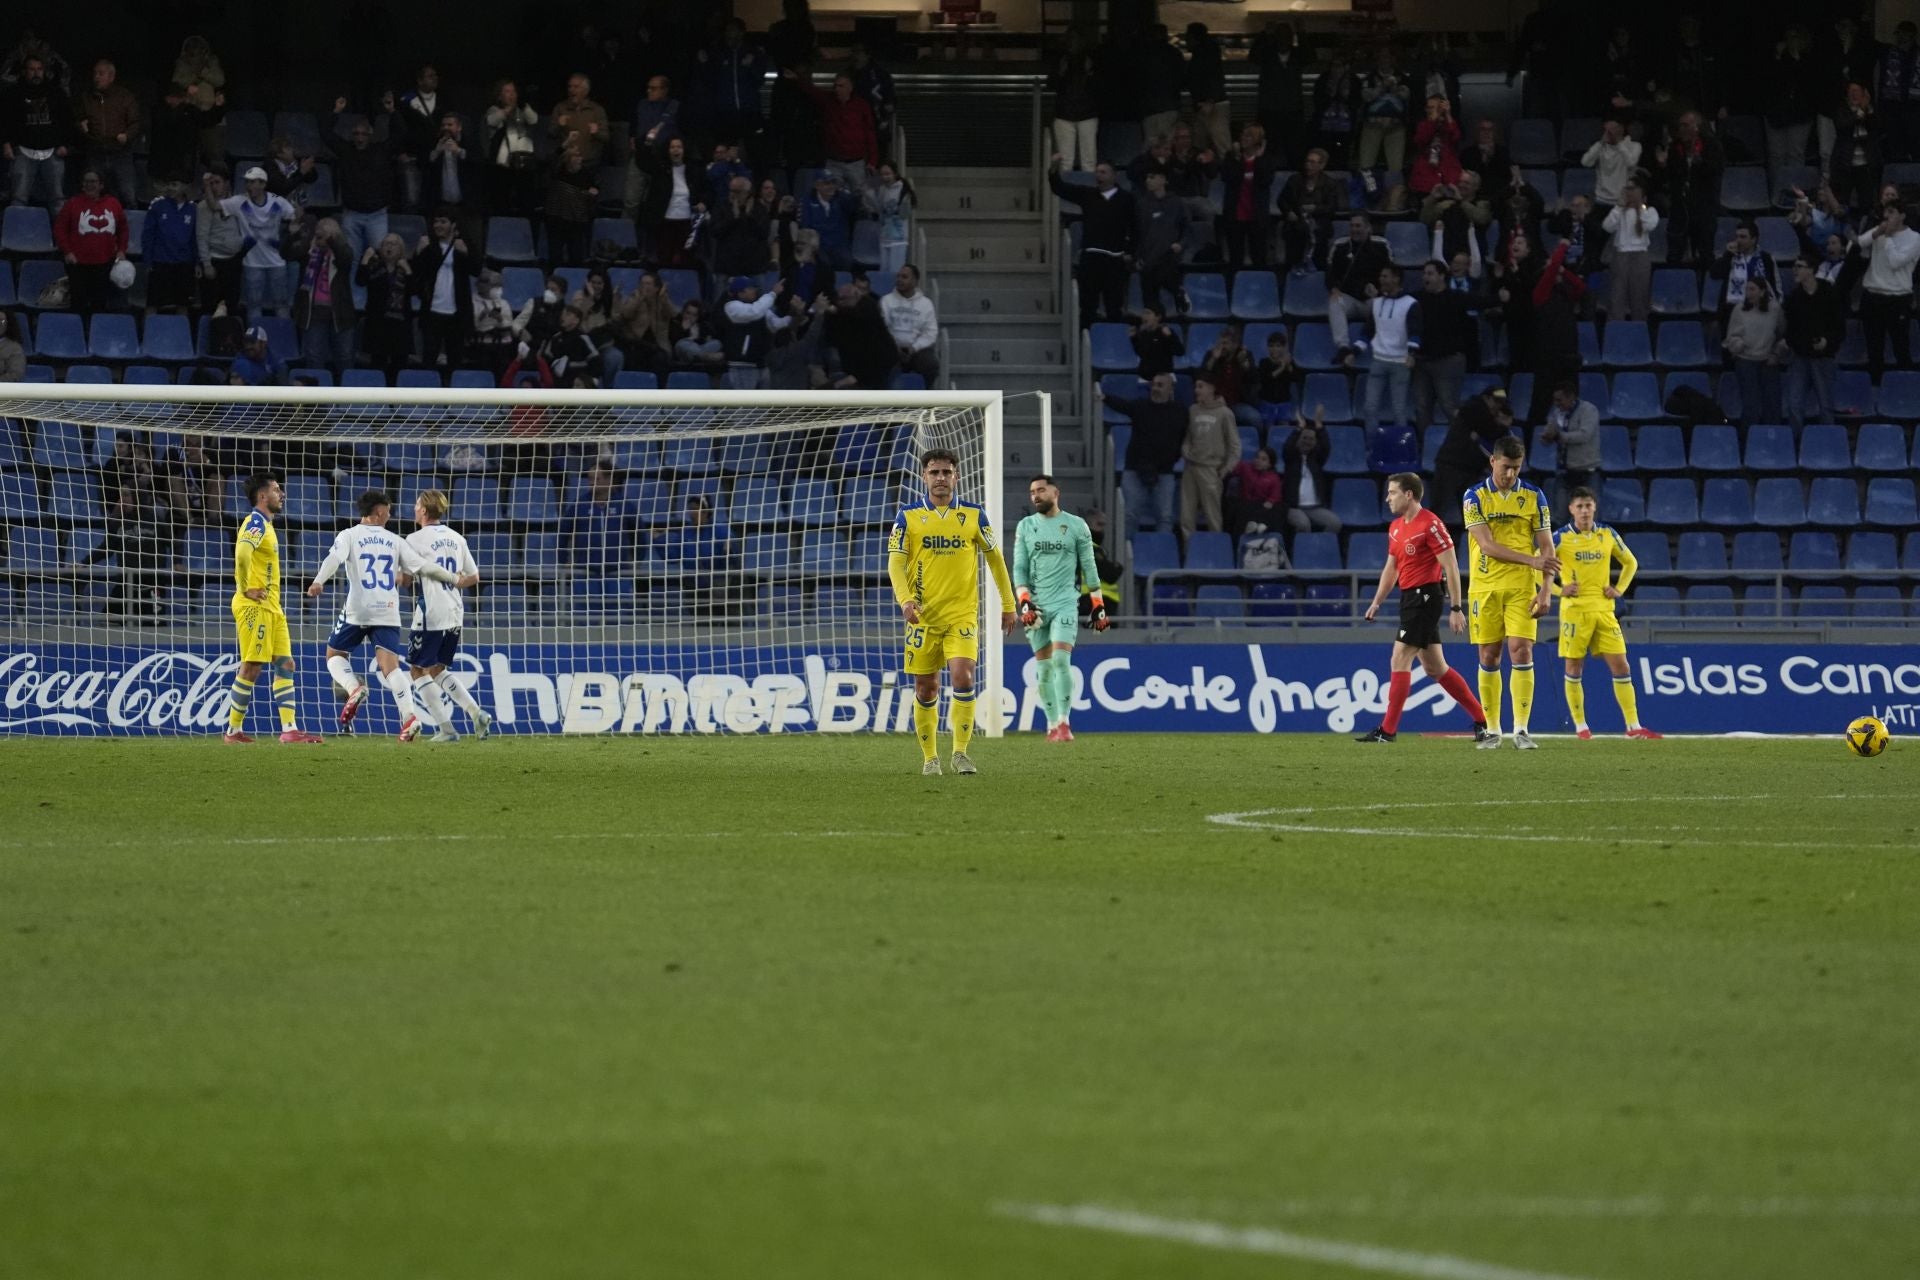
x=1501, y=615
x=1590, y=631
x=929, y=648
x=263, y=633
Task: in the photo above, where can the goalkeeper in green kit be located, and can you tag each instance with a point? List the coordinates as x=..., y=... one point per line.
x=1052, y=556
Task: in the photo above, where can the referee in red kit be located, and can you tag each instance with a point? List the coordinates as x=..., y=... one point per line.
x=1420, y=553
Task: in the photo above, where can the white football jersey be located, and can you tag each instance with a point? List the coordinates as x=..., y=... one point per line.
x=373, y=558
x=441, y=607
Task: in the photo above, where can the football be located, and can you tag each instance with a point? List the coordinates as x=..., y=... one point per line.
x=1867, y=737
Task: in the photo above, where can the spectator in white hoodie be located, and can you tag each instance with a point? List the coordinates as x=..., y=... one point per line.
x=1631, y=224
x=1612, y=160
x=913, y=323
x=1892, y=249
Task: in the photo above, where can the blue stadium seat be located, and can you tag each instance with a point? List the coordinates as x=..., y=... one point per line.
x=1853, y=395
x=688, y=380
x=1853, y=347
x=1410, y=243
x=1779, y=502
x=1330, y=391
x=31, y=549
x=1306, y=297
x=1589, y=337
x=1676, y=292
x=1636, y=396
x=1820, y=600
x=1532, y=142
x=1207, y=294
x=1171, y=599
x=248, y=135
x=532, y=500
x=1543, y=459
x=1207, y=550
x=1654, y=602
x=1673, y=501
x=1576, y=182
x=1778, y=240
x=415, y=379
x=60, y=445
x=1899, y=394
x=1814, y=553
x=634, y=380
x=1546, y=182
x=865, y=245
x=1313, y=346
x=1653, y=553
x=1616, y=450
x=73, y=495
x=1757, y=551
x=1430, y=448
x=1710, y=600
x=1112, y=347
x=1878, y=601
x=1254, y=336
x=26, y=229
x=1200, y=339
x=1393, y=448
x=1627, y=345
x=37, y=275
x=1702, y=552
x=1272, y=599
x=169, y=339
x=1834, y=501
x=1743, y=189
x=521, y=285
x=1824, y=448
x=867, y=500
x=1727, y=503
x=617, y=230
x=1357, y=503
x=1881, y=446
x=85, y=373
x=1890, y=502
x=1256, y=295
x=814, y=502
x=13, y=450
x=1872, y=553
x=1520, y=389
x=1347, y=455
x=1715, y=448
x=1770, y=448
x=1577, y=133
x=1317, y=552
x=113, y=337
x=476, y=499
x=1119, y=435
x=1250, y=443
x=7, y=296
x=59, y=335
x=309, y=499
x=626, y=279
x=1622, y=501
x=1366, y=552
x=1660, y=448
x=1682, y=344
x=1594, y=390
x=1219, y=600
x=510, y=241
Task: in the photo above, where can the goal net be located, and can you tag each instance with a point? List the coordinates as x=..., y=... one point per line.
x=650, y=562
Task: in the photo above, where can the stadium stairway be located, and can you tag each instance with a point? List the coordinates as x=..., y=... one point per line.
x=992, y=262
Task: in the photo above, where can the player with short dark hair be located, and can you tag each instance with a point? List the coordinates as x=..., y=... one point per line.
x=1587, y=622
x=258, y=616
x=1512, y=533
x=1420, y=557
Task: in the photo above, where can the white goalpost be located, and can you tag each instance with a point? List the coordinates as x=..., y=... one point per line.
x=656, y=562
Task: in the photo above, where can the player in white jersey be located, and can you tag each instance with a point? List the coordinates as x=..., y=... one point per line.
x=437, y=619
x=375, y=558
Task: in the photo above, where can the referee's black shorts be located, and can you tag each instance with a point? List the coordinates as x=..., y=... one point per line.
x=1421, y=609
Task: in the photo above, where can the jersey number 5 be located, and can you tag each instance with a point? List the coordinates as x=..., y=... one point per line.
x=376, y=572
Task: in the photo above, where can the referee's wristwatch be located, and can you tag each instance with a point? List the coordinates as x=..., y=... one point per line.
x=1455, y=608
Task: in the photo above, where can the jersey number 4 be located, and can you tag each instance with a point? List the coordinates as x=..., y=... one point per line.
x=376, y=572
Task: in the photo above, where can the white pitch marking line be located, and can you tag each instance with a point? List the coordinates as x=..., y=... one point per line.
x=1271, y=1243
x=447, y=837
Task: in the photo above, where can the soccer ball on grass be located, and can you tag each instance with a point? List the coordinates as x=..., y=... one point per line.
x=1867, y=737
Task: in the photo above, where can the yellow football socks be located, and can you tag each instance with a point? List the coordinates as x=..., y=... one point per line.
x=1577, y=702
x=1492, y=687
x=237, y=712
x=1522, y=696
x=960, y=712
x=926, y=726
x=283, y=702
x=1629, y=701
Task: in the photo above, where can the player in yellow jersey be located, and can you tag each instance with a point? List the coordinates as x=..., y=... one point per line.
x=1513, y=565
x=933, y=558
x=257, y=615
x=1587, y=550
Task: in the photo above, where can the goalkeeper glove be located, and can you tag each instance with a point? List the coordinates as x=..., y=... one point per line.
x=1098, y=615
x=1029, y=612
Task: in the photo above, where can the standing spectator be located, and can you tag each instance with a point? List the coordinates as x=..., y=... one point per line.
x=890, y=198
x=1207, y=85
x=741, y=226
x=1336, y=107
x=323, y=311
x=1158, y=346
x=734, y=71
x=512, y=165
x=914, y=325
x=795, y=136
x=1518, y=205
x=1280, y=107
x=415, y=130
x=1246, y=176
x=1229, y=367
x=873, y=83
x=726, y=166
x=1436, y=149
x=1816, y=322
x=1456, y=216
x=1462, y=459
x=671, y=205
x=1613, y=159
x=34, y=131
x=108, y=117
x=1846, y=58
x=1446, y=332
x=572, y=193
x=365, y=173
x=32, y=48
x=1574, y=424
x=1621, y=75
x=1755, y=330
x=495, y=334
x=1510, y=281
x=830, y=211
x=91, y=234
x=1307, y=202
x=289, y=175
x=169, y=247
x=1395, y=319
x=579, y=123
x=1488, y=157
x=1159, y=238
x=1162, y=74
x=1795, y=89
x=848, y=131
x=1691, y=167
x=1896, y=79
x=450, y=180
x=862, y=343
x=1383, y=122
x=643, y=327
x=387, y=277
x=1631, y=225
x=1437, y=73
x=219, y=241
x=1106, y=240
x=263, y=216
x=202, y=81
x=1556, y=331
x=1579, y=228
x=13, y=357
x=1353, y=274
x=1743, y=261
x=656, y=122
x=1076, y=112
x=443, y=275
x=1211, y=447
x=1892, y=249
x=1307, y=491
x=1153, y=449
x=1281, y=380
x=1857, y=150
x=1260, y=494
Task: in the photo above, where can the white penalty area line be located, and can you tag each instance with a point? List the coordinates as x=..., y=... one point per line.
x=443, y=837
x=1271, y=1243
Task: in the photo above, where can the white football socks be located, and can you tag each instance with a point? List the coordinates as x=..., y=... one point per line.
x=342, y=669
x=458, y=692
x=427, y=693
x=401, y=685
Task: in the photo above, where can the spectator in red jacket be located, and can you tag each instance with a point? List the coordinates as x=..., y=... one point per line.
x=1436, y=148
x=848, y=129
x=91, y=233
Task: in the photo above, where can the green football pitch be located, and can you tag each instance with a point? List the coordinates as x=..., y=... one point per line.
x=1140, y=1006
